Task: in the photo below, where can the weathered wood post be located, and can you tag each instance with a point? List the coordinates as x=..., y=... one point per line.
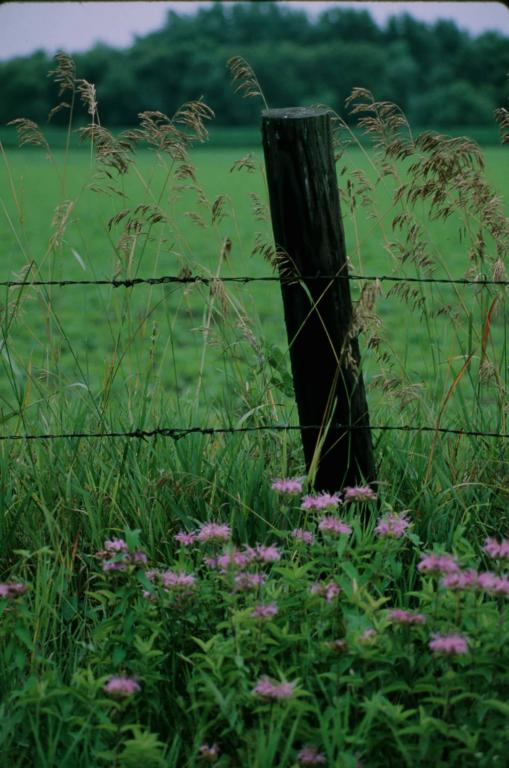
x=308, y=229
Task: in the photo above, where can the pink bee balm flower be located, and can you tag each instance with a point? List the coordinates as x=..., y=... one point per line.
x=177, y=580
x=209, y=752
x=367, y=635
x=121, y=687
x=359, y=493
x=309, y=755
x=12, y=589
x=269, y=554
x=291, y=485
x=214, y=532
x=460, y=580
x=186, y=539
x=232, y=559
x=265, y=611
x=490, y=582
x=497, y=549
x=268, y=689
x=334, y=526
x=301, y=535
x=328, y=591
x=399, y=616
x=115, y=545
x=320, y=501
x=449, y=644
x=392, y=525
x=248, y=581
x=438, y=564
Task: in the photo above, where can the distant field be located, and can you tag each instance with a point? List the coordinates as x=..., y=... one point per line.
x=75, y=339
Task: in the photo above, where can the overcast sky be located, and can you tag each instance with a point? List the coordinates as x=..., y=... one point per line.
x=75, y=26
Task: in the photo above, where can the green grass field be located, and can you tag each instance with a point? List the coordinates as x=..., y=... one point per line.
x=80, y=342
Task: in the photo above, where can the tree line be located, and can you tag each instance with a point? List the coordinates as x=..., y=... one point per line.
x=439, y=74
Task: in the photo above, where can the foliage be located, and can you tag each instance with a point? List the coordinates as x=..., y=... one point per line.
x=437, y=73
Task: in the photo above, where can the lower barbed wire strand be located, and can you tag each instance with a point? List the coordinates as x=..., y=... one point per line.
x=176, y=433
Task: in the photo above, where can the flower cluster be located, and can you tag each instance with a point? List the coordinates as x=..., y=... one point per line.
x=291, y=485
x=451, y=645
x=265, y=611
x=207, y=532
x=398, y=616
x=121, y=687
x=12, y=589
x=359, y=493
x=320, y=501
x=334, y=526
x=310, y=755
x=299, y=534
x=438, y=564
x=392, y=525
x=328, y=590
x=116, y=556
x=497, y=549
x=268, y=689
x=177, y=583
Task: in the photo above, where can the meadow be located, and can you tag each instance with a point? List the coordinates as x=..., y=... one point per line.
x=178, y=603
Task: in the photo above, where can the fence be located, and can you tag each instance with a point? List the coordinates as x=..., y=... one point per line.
x=333, y=413
x=177, y=433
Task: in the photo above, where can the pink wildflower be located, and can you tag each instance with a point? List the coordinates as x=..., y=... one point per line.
x=320, y=501
x=291, y=485
x=139, y=557
x=367, y=635
x=247, y=581
x=232, y=559
x=392, y=525
x=209, y=752
x=12, y=589
x=497, y=549
x=115, y=545
x=460, y=580
x=490, y=582
x=328, y=591
x=121, y=687
x=310, y=755
x=359, y=493
x=214, y=532
x=301, y=535
x=184, y=538
x=266, y=611
x=268, y=554
x=398, y=616
x=438, y=564
x=334, y=526
x=449, y=644
x=177, y=580
x=268, y=689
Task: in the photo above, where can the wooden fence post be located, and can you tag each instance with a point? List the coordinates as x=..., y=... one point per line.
x=308, y=230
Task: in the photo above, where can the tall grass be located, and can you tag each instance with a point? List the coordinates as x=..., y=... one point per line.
x=365, y=688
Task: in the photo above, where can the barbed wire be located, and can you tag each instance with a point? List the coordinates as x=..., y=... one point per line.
x=177, y=433
x=205, y=280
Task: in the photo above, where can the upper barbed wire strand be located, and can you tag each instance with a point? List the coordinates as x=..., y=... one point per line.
x=131, y=282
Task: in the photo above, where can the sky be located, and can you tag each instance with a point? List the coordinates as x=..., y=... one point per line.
x=76, y=26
